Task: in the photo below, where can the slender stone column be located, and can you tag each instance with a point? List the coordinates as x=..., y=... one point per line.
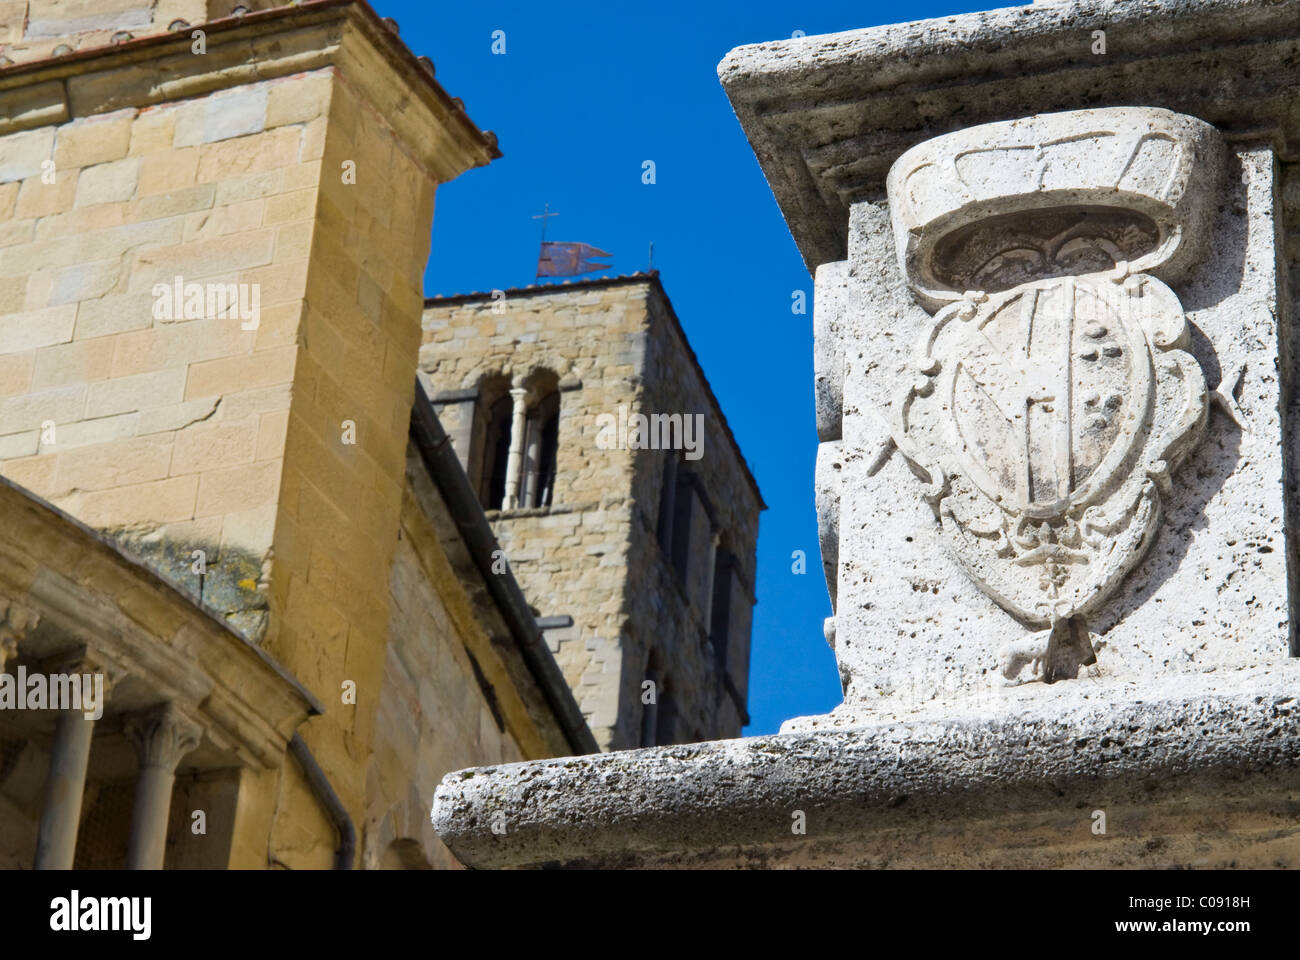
x=162, y=736
x=532, y=463
x=56, y=841
x=515, y=460
x=61, y=815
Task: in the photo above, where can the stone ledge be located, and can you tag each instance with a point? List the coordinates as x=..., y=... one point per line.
x=1185, y=780
x=263, y=45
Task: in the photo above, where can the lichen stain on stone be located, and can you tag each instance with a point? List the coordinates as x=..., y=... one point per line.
x=228, y=587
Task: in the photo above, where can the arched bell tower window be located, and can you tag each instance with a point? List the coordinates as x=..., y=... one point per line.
x=659, y=715
x=491, y=444
x=541, y=440
x=541, y=451
x=516, y=439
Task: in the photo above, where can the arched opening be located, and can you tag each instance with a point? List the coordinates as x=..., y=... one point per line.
x=656, y=706
x=541, y=440
x=497, y=453
x=490, y=452
x=666, y=719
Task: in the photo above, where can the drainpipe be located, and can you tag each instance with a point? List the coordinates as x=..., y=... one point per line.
x=329, y=800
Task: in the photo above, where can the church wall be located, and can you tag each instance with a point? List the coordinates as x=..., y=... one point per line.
x=165, y=431
x=33, y=29
x=446, y=702
x=280, y=451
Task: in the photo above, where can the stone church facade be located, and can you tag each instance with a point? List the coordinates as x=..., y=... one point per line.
x=250, y=533
x=649, y=552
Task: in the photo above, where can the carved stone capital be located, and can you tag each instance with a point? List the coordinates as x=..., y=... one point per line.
x=162, y=736
x=84, y=659
x=8, y=646
x=15, y=621
x=18, y=618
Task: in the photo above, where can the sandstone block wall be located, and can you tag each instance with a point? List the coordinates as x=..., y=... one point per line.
x=168, y=432
x=446, y=701
x=680, y=610
x=345, y=447
x=280, y=451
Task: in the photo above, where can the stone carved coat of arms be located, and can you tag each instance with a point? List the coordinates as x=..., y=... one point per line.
x=1053, y=395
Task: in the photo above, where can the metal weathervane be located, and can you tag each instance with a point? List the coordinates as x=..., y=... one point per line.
x=556, y=259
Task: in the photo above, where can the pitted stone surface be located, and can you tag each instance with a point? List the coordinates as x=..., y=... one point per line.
x=1208, y=772
x=1053, y=195
x=1212, y=592
x=853, y=102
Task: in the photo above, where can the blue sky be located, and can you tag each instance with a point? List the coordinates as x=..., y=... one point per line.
x=587, y=92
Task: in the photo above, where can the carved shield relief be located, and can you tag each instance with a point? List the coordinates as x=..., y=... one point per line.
x=1054, y=397
x=1045, y=419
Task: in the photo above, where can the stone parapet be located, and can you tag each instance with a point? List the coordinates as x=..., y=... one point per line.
x=1194, y=775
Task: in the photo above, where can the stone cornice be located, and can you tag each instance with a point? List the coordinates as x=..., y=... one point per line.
x=344, y=34
x=143, y=624
x=827, y=115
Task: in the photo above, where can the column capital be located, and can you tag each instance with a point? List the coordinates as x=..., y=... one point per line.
x=14, y=624
x=84, y=659
x=8, y=646
x=162, y=736
x=18, y=618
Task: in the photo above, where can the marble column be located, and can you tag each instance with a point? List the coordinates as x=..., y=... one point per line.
x=514, y=461
x=56, y=841
x=162, y=737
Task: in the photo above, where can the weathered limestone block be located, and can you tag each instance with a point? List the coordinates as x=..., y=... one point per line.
x=959, y=792
x=907, y=573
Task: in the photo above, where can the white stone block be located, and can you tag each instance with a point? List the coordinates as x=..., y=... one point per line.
x=140, y=392
x=222, y=117
x=108, y=182
x=21, y=154
x=85, y=281
x=38, y=328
